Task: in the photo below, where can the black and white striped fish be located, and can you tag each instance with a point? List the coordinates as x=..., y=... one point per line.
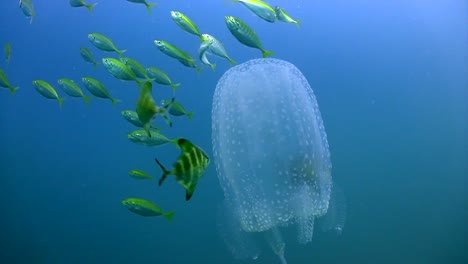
x=188, y=168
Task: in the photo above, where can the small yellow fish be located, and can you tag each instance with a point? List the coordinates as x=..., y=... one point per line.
x=161, y=77
x=80, y=3
x=172, y=51
x=148, y=5
x=4, y=82
x=103, y=43
x=185, y=23
x=154, y=138
x=28, y=9
x=245, y=34
x=72, y=89
x=145, y=208
x=216, y=47
x=284, y=17
x=132, y=117
x=176, y=109
x=260, y=8
x=87, y=55
x=97, y=89
x=139, y=175
x=136, y=67
x=120, y=70
x=46, y=90
x=8, y=52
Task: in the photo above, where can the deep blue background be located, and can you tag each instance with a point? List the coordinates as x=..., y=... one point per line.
x=391, y=80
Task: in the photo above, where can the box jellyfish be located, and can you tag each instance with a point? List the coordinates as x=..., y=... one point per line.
x=271, y=155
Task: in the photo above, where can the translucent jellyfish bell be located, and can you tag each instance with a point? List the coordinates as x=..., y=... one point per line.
x=270, y=151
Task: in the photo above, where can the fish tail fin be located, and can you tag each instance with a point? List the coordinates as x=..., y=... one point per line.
x=120, y=52
x=266, y=53
x=213, y=66
x=14, y=89
x=164, y=113
x=60, y=100
x=169, y=215
x=175, y=141
x=141, y=83
x=91, y=6
x=165, y=172
x=149, y=6
x=31, y=19
x=199, y=69
x=114, y=100
x=231, y=61
x=298, y=23
x=189, y=115
x=174, y=87
x=86, y=99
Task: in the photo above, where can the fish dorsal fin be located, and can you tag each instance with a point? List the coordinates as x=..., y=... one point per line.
x=185, y=144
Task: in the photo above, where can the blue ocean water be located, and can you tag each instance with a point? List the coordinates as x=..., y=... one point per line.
x=391, y=80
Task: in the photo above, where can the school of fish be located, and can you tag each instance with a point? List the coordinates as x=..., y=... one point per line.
x=189, y=167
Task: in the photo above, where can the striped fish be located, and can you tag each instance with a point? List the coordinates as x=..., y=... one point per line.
x=245, y=34
x=188, y=168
